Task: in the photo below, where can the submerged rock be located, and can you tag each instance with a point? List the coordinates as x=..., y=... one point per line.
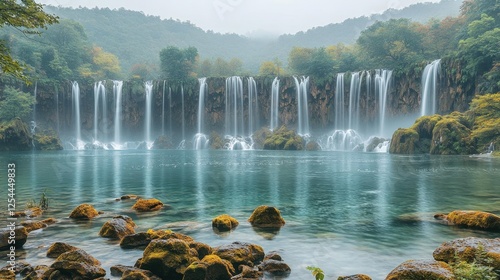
x=266, y=217
x=224, y=223
x=75, y=265
x=21, y=235
x=32, y=212
x=470, y=249
x=474, y=219
x=84, y=212
x=59, y=248
x=31, y=225
x=167, y=258
x=147, y=205
x=275, y=267
x=118, y=227
x=422, y=269
x=239, y=253
x=132, y=273
x=210, y=267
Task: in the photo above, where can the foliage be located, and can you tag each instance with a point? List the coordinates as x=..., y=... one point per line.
x=316, y=272
x=25, y=16
x=178, y=64
x=15, y=104
x=106, y=64
x=480, y=268
x=283, y=139
x=43, y=203
x=316, y=62
x=271, y=68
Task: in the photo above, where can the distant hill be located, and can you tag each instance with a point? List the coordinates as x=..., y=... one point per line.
x=137, y=38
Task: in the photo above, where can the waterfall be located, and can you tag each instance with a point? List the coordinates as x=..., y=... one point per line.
x=117, y=92
x=234, y=106
x=430, y=88
x=33, y=122
x=253, y=107
x=183, y=116
x=149, y=103
x=303, y=112
x=170, y=106
x=99, y=90
x=75, y=93
x=382, y=87
x=354, y=97
x=56, y=94
x=163, y=109
x=342, y=140
x=200, y=139
x=339, y=103
x=275, y=104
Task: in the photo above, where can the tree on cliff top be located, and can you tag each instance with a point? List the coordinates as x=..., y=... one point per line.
x=26, y=16
x=178, y=64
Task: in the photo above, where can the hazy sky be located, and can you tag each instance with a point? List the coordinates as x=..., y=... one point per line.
x=247, y=16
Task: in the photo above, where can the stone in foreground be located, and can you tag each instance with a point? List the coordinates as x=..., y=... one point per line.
x=224, y=223
x=84, y=212
x=147, y=205
x=266, y=217
x=118, y=227
x=422, y=269
x=470, y=249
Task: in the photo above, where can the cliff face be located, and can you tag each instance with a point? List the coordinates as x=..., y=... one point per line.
x=55, y=104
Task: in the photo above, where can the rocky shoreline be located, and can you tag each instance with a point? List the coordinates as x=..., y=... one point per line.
x=172, y=255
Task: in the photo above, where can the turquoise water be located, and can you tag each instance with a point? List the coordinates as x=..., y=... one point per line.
x=347, y=213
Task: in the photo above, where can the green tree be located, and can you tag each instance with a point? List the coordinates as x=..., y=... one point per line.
x=269, y=68
x=26, y=16
x=15, y=104
x=178, y=64
x=393, y=44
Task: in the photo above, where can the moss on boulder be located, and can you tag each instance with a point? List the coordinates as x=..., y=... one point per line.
x=75, y=264
x=451, y=137
x=59, y=248
x=84, y=212
x=224, y=223
x=167, y=259
x=284, y=139
x=47, y=142
x=475, y=219
x=210, y=267
x=405, y=141
x=118, y=227
x=147, y=205
x=471, y=249
x=239, y=253
x=422, y=269
x=355, y=277
x=266, y=217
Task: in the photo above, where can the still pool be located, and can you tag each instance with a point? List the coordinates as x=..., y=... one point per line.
x=346, y=213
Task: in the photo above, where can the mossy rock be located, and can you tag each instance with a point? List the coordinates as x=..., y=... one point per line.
x=147, y=205
x=118, y=227
x=405, y=141
x=276, y=268
x=451, y=137
x=239, y=253
x=132, y=273
x=475, y=219
x=224, y=223
x=422, y=269
x=84, y=212
x=15, y=136
x=162, y=143
x=284, y=139
x=210, y=267
x=47, y=142
x=471, y=249
x=266, y=217
x=7, y=274
x=59, y=248
x=75, y=264
x=167, y=259
x=142, y=239
x=32, y=225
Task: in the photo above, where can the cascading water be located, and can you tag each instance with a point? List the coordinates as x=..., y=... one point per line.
x=75, y=93
x=343, y=140
x=117, y=92
x=170, y=106
x=235, y=131
x=382, y=87
x=275, y=104
x=163, y=109
x=33, y=122
x=182, y=144
x=99, y=90
x=430, y=88
x=303, y=112
x=200, y=139
x=253, y=107
x=339, y=103
x=354, y=97
x=148, y=117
